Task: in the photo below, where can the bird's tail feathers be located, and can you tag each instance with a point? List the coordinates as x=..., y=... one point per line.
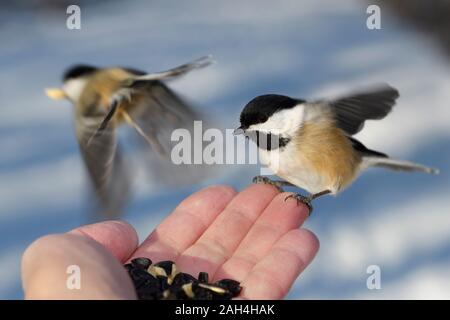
x=400, y=165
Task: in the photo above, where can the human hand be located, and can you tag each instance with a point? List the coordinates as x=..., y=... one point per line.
x=251, y=236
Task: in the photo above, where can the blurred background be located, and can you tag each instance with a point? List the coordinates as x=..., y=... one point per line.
x=305, y=49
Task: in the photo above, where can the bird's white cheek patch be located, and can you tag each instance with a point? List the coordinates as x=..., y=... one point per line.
x=293, y=119
x=266, y=127
x=284, y=122
x=74, y=88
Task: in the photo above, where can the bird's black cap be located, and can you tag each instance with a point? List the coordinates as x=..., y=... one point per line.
x=262, y=107
x=77, y=71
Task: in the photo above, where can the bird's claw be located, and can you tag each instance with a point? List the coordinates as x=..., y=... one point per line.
x=261, y=179
x=121, y=95
x=265, y=180
x=301, y=199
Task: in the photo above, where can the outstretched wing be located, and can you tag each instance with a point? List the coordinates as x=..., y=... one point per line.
x=174, y=72
x=104, y=164
x=160, y=112
x=350, y=112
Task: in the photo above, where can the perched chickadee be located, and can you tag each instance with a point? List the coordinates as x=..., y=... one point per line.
x=313, y=140
x=106, y=98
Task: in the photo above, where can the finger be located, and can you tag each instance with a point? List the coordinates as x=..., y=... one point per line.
x=274, y=275
x=277, y=219
x=118, y=237
x=220, y=240
x=186, y=224
x=73, y=266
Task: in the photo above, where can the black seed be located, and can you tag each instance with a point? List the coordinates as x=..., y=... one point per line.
x=149, y=292
x=201, y=293
x=182, y=278
x=231, y=285
x=204, y=294
x=142, y=278
x=169, y=295
x=213, y=292
x=142, y=263
x=166, y=265
x=203, y=277
x=162, y=282
x=149, y=287
x=128, y=266
x=179, y=292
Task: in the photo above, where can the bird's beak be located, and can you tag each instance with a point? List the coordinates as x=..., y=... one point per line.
x=55, y=93
x=238, y=131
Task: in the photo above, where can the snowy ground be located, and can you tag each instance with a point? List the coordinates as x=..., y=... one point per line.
x=305, y=49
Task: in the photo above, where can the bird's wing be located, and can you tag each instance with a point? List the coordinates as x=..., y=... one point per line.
x=351, y=111
x=159, y=112
x=104, y=163
x=174, y=72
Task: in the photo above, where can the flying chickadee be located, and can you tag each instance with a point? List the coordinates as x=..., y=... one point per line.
x=106, y=98
x=316, y=150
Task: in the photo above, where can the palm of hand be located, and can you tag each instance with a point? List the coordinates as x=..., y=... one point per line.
x=252, y=237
